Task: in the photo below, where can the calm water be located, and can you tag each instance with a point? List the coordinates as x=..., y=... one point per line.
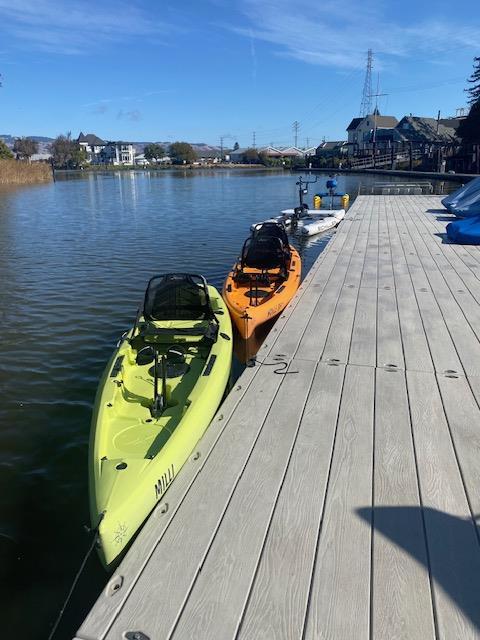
x=74, y=260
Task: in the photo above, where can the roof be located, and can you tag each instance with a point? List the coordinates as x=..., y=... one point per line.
x=354, y=124
x=381, y=121
x=389, y=122
x=332, y=144
x=420, y=129
x=90, y=139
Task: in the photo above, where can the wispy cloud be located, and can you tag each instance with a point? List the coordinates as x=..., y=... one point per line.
x=133, y=116
x=253, y=54
x=75, y=27
x=331, y=33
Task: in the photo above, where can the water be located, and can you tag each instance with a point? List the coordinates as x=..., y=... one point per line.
x=74, y=260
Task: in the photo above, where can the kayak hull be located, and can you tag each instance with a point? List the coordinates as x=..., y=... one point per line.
x=134, y=456
x=313, y=227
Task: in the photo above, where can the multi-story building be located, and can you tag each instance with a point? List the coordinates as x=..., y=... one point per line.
x=360, y=130
x=92, y=145
x=118, y=153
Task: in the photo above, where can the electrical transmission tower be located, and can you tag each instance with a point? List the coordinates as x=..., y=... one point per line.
x=366, y=105
x=296, y=127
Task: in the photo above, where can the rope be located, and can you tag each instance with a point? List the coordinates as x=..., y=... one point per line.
x=280, y=363
x=77, y=577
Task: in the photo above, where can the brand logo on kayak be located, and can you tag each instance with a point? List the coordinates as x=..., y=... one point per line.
x=120, y=533
x=274, y=311
x=164, y=482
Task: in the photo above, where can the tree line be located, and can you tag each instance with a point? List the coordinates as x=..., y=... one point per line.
x=68, y=154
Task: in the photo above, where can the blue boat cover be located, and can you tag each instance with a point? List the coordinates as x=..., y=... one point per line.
x=458, y=194
x=465, y=231
x=468, y=206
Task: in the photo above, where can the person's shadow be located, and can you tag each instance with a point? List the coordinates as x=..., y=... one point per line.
x=453, y=549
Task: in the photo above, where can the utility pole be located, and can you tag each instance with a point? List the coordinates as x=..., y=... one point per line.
x=254, y=141
x=366, y=104
x=376, y=96
x=296, y=127
x=375, y=113
x=308, y=143
x=222, y=138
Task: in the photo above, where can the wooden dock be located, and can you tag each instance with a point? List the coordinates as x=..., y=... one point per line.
x=339, y=501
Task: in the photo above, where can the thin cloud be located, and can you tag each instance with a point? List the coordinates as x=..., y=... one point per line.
x=79, y=28
x=338, y=34
x=133, y=116
x=253, y=54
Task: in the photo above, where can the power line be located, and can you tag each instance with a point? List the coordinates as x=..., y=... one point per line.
x=254, y=141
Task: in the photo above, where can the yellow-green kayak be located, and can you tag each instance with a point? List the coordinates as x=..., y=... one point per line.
x=156, y=398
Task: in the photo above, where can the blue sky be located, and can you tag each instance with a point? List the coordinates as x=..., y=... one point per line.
x=198, y=69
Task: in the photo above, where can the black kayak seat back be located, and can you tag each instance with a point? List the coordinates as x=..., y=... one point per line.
x=263, y=253
x=177, y=296
x=271, y=230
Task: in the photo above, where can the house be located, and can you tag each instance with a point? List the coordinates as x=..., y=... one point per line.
x=428, y=131
x=141, y=161
x=41, y=157
x=117, y=153
x=360, y=130
x=92, y=145
x=332, y=148
x=281, y=153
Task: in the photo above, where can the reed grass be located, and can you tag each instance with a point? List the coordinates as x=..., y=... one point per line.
x=14, y=172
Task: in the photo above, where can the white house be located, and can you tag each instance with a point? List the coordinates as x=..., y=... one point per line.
x=118, y=153
x=360, y=130
x=92, y=145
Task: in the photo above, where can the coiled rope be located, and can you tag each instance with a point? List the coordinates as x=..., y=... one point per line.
x=279, y=362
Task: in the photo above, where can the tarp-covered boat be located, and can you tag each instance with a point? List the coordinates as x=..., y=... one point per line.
x=452, y=200
x=465, y=231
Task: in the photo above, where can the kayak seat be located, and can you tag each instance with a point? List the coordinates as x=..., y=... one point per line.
x=176, y=297
x=263, y=253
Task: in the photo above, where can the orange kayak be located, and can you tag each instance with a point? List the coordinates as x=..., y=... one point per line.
x=263, y=280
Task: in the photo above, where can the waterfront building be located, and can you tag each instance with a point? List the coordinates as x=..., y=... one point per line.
x=117, y=153
x=92, y=145
x=360, y=130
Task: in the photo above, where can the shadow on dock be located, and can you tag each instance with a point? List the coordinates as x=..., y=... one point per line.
x=450, y=556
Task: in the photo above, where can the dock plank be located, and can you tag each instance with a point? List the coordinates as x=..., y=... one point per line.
x=401, y=601
x=451, y=538
x=339, y=605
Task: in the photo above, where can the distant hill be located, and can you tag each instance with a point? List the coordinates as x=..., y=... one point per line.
x=203, y=150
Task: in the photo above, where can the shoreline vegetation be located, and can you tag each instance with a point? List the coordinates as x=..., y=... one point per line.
x=15, y=172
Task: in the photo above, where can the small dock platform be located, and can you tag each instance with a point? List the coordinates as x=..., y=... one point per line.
x=340, y=501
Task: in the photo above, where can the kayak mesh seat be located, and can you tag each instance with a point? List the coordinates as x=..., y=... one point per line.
x=257, y=293
x=177, y=296
x=271, y=230
x=264, y=252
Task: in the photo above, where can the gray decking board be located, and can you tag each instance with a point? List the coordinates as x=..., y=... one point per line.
x=337, y=502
